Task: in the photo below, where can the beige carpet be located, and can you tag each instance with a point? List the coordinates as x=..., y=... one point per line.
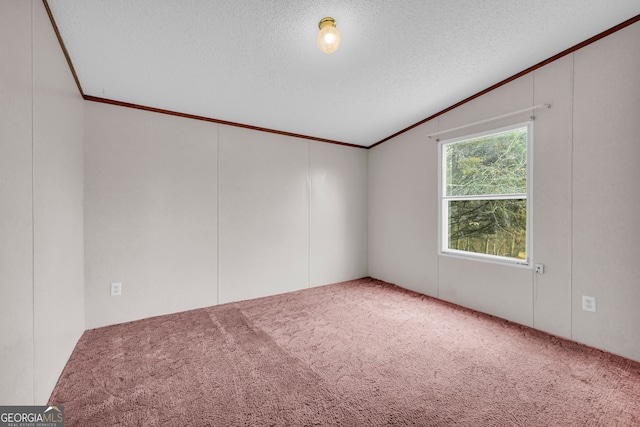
x=360, y=353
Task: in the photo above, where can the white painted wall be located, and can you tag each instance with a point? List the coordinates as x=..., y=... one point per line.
x=264, y=214
x=606, y=192
x=585, y=182
x=16, y=205
x=338, y=233
x=58, y=201
x=292, y=214
x=552, y=163
x=150, y=213
x=41, y=205
x=403, y=197
x=188, y=214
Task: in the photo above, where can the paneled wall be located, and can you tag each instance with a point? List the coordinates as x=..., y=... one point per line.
x=188, y=214
x=403, y=196
x=264, y=214
x=58, y=202
x=16, y=204
x=150, y=213
x=606, y=192
x=41, y=205
x=338, y=213
x=584, y=208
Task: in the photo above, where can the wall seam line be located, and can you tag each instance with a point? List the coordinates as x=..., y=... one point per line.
x=33, y=215
x=571, y=180
x=309, y=215
x=438, y=216
x=218, y=215
x=531, y=208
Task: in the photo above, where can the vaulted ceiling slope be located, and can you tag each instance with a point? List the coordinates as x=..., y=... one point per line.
x=256, y=62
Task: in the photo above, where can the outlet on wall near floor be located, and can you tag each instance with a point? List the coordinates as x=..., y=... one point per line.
x=588, y=303
x=116, y=289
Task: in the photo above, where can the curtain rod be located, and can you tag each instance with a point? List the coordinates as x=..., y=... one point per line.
x=513, y=113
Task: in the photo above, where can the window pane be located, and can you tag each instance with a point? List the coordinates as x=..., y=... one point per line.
x=492, y=227
x=492, y=164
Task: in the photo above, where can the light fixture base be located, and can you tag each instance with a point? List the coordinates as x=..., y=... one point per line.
x=326, y=21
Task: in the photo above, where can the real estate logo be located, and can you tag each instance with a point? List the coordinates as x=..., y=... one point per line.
x=31, y=416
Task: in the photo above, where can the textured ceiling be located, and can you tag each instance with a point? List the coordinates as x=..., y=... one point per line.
x=256, y=62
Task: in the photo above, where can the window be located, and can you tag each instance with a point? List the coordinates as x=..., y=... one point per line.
x=485, y=195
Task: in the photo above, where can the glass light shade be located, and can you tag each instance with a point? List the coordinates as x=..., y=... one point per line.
x=328, y=38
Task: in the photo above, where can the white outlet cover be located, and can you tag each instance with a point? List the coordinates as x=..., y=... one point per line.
x=116, y=289
x=588, y=303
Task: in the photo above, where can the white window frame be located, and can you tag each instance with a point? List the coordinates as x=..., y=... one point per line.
x=443, y=198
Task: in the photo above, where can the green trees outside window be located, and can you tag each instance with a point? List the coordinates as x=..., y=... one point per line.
x=484, y=200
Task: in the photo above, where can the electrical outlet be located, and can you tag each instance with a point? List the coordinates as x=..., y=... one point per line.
x=588, y=303
x=116, y=289
x=539, y=268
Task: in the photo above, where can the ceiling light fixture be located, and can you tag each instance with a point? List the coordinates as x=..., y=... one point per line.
x=329, y=36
